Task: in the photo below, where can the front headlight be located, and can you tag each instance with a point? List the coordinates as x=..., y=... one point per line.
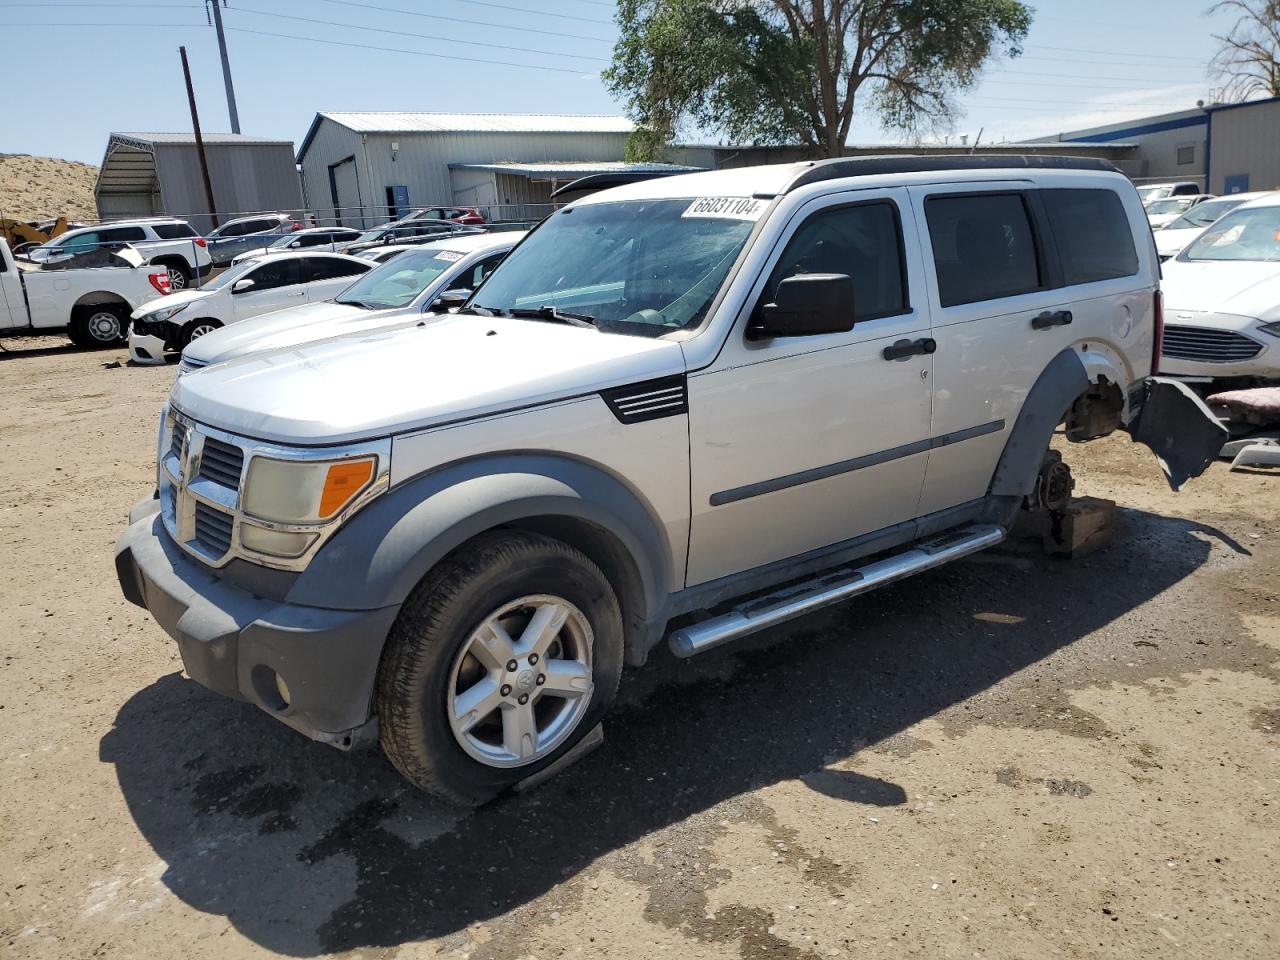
x=292, y=491
x=287, y=503
x=163, y=314
x=1273, y=328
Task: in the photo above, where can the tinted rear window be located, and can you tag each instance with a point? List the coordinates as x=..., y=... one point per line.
x=1093, y=234
x=173, y=231
x=983, y=247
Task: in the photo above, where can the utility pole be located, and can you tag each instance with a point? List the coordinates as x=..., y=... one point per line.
x=226, y=64
x=195, y=125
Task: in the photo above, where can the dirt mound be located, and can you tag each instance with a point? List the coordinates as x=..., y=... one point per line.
x=37, y=187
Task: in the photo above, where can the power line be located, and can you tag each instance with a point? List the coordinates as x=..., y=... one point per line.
x=416, y=53
x=422, y=36
x=470, y=23
x=536, y=13
x=1118, y=53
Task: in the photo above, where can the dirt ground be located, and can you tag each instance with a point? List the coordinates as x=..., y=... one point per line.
x=1015, y=756
x=36, y=187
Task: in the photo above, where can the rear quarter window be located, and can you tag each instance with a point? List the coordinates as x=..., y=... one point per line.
x=1095, y=241
x=173, y=231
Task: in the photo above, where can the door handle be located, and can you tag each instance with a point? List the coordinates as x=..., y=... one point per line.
x=297, y=293
x=910, y=348
x=1051, y=318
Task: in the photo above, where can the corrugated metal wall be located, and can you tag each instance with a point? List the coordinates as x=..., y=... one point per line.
x=246, y=178
x=1246, y=142
x=422, y=162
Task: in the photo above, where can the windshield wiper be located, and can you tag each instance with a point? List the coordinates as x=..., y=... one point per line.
x=479, y=311
x=551, y=313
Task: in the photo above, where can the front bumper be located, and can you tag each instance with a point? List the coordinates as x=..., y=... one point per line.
x=146, y=349
x=237, y=644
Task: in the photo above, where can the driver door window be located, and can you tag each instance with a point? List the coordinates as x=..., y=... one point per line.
x=276, y=284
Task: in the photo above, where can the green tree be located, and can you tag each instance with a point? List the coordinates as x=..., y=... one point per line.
x=787, y=71
x=1248, y=60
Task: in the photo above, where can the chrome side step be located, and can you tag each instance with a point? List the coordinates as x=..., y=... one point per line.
x=830, y=588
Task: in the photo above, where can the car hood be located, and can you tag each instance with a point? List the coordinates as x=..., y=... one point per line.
x=173, y=300
x=282, y=328
x=1244, y=288
x=411, y=377
x=1172, y=241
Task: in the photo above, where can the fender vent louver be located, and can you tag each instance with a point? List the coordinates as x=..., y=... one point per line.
x=650, y=400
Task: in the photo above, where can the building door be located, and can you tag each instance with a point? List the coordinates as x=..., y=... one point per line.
x=344, y=188
x=1239, y=183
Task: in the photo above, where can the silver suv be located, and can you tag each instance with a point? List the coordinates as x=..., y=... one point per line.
x=750, y=392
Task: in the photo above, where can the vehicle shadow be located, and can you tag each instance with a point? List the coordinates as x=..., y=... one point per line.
x=8, y=350
x=306, y=850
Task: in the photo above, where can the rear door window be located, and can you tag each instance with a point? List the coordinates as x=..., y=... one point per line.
x=864, y=242
x=1094, y=239
x=983, y=247
x=330, y=268
x=274, y=272
x=123, y=234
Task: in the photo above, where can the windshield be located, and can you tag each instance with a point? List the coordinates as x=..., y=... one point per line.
x=1250, y=234
x=1203, y=214
x=1152, y=193
x=369, y=235
x=637, y=266
x=398, y=282
x=1173, y=205
x=230, y=275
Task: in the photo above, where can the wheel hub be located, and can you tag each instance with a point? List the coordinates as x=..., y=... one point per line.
x=104, y=326
x=521, y=682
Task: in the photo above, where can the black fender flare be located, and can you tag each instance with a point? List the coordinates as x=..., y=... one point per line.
x=1061, y=382
x=382, y=552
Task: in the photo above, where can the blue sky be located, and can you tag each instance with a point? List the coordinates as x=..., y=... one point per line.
x=115, y=65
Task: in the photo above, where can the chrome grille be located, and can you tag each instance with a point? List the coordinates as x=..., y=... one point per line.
x=179, y=434
x=1207, y=345
x=213, y=529
x=222, y=463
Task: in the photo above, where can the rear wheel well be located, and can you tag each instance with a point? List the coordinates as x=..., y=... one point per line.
x=101, y=298
x=1096, y=413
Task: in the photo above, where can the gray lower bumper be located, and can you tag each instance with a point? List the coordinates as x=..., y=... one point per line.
x=236, y=644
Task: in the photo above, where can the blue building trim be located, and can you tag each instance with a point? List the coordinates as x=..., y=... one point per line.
x=1201, y=120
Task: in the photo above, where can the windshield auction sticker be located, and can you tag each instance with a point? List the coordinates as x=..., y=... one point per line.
x=449, y=256
x=727, y=208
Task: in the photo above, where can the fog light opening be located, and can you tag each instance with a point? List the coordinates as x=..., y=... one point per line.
x=271, y=689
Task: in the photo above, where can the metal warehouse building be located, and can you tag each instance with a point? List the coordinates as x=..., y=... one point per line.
x=363, y=168
x=1229, y=148
x=154, y=174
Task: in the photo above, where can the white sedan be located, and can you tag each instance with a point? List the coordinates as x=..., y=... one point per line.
x=422, y=278
x=249, y=288
x=1222, y=299
x=1175, y=235
x=1161, y=212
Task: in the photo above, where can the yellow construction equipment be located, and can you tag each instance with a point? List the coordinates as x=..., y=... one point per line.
x=21, y=234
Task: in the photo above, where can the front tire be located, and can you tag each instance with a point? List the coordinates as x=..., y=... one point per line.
x=99, y=327
x=195, y=330
x=503, y=657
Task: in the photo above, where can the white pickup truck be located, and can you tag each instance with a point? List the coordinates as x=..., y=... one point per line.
x=92, y=304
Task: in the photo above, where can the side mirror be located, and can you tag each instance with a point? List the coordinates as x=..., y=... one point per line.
x=241, y=286
x=296, y=243
x=807, y=305
x=450, y=299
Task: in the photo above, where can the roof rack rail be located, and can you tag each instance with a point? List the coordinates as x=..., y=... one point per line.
x=880, y=165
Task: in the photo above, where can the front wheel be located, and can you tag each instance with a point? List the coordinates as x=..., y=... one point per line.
x=502, y=658
x=195, y=330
